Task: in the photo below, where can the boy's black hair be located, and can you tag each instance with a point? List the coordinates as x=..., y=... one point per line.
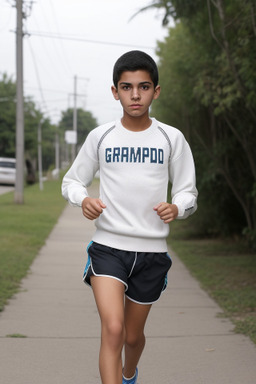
x=134, y=61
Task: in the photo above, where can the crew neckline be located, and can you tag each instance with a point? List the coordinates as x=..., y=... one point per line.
x=136, y=133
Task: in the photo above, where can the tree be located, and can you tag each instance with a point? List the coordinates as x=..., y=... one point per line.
x=7, y=116
x=85, y=123
x=32, y=118
x=210, y=56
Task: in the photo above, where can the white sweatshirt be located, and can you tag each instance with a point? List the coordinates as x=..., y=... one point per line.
x=135, y=168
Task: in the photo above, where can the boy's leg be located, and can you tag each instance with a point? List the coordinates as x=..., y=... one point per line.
x=135, y=320
x=109, y=297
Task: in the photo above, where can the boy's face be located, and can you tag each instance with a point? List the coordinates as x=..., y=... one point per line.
x=136, y=91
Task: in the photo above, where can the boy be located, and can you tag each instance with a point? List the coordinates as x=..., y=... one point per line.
x=136, y=157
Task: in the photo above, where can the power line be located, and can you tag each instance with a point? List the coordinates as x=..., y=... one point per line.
x=37, y=73
x=48, y=90
x=53, y=35
x=7, y=21
x=45, y=48
x=66, y=59
x=58, y=47
x=4, y=99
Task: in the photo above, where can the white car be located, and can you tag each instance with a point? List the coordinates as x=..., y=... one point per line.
x=7, y=170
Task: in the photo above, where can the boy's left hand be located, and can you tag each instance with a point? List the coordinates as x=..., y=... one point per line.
x=167, y=212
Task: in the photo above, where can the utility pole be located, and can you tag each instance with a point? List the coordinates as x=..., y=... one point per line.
x=40, y=166
x=57, y=153
x=19, y=185
x=74, y=118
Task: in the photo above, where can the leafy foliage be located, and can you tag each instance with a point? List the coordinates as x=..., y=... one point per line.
x=33, y=118
x=7, y=116
x=207, y=67
x=85, y=123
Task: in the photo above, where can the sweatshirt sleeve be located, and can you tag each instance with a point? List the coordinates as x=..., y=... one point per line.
x=80, y=175
x=182, y=176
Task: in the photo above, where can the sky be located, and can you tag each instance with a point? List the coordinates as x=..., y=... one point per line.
x=93, y=35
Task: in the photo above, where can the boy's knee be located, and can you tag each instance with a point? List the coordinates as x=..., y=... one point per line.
x=133, y=340
x=114, y=331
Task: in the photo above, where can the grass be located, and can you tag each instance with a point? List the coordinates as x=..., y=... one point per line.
x=23, y=231
x=16, y=336
x=226, y=269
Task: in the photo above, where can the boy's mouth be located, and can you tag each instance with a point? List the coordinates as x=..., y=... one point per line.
x=135, y=106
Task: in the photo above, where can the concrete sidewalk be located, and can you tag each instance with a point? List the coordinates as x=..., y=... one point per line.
x=187, y=343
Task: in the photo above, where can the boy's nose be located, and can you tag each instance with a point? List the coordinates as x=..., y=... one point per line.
x=135, y=94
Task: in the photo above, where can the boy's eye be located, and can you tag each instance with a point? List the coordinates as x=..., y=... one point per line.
x=126, y=87
x=145, y=87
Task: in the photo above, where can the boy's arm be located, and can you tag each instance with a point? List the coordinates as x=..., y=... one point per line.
x=92, y=208
x=79, y=176
x=167, y=212
x=182, y=176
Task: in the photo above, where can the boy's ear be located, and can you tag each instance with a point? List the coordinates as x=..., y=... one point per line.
x=115, y=93
x=157, y=92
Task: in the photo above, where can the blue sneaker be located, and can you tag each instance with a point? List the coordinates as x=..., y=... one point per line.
x=133, y=380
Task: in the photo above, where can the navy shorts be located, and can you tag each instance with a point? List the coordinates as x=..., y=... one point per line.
x=144, y=274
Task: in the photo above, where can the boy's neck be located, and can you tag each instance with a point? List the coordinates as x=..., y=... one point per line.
x=136, y=124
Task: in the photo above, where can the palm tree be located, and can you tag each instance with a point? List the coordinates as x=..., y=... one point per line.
x=160, y=4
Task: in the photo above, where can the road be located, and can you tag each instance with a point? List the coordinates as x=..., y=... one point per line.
x=5, y=189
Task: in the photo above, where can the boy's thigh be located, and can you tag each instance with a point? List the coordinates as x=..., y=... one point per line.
x=109, y=262
x=108, y=291
x=143, y=274
x=135, y=319
x=149, y=277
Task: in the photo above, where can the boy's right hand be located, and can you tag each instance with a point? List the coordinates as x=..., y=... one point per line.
x=92, y=208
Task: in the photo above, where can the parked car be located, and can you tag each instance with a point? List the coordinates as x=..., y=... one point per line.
x=7, y=170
